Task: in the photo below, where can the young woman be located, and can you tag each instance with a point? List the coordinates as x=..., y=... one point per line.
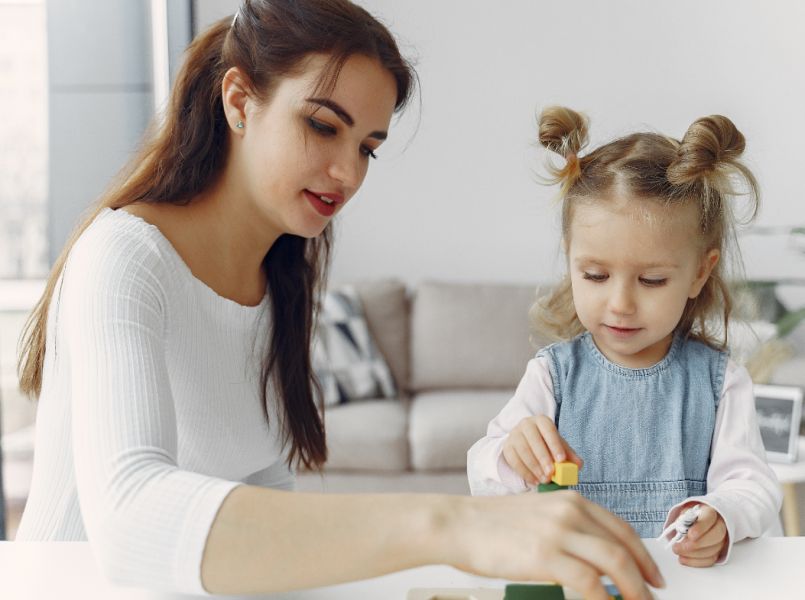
x=170, y=351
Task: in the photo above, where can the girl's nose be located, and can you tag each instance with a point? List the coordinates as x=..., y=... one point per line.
x=622, y=300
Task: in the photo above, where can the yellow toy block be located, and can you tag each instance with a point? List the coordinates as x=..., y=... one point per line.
x=565, y=473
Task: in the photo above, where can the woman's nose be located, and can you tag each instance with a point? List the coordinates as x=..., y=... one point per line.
x=348, y=170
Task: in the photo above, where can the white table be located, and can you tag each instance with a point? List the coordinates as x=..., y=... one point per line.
x=768, y=568
x=790, y=475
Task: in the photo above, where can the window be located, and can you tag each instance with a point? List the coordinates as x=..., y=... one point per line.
x=23, y=140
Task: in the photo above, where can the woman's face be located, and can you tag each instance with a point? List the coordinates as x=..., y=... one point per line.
x=303, y=155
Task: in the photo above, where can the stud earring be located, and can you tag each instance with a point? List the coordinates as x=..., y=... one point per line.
x=240, y=125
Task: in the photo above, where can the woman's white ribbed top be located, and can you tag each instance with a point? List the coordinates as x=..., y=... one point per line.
x=150, y=411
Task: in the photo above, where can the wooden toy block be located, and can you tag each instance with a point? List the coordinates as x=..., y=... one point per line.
x=543, y=591
x=549, y=487
x=565, y=473
x=454, y=594
x=524, y=591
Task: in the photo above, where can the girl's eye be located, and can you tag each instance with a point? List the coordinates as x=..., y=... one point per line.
x=367, y=151
x=595, y=276
x=653, y=282
x=320, y=127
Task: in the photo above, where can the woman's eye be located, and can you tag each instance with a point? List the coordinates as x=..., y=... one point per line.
x=367, y=151
x=595, y=276
x=653, y=282
x=320, y=127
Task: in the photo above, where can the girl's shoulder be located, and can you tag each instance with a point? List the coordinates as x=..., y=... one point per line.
x=562, y=347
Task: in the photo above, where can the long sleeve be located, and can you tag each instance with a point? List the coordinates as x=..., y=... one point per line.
x=487, y=470
x=740, y=484
x=147, y=519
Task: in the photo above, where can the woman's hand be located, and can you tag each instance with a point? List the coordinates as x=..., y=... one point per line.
x=533, y=446
x=705, y=540
x=557, y=537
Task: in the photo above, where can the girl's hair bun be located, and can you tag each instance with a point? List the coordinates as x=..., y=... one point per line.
x=709, y=144
x=563, y=130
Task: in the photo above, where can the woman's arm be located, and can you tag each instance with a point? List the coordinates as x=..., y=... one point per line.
x=267, y=540
x=487, y=471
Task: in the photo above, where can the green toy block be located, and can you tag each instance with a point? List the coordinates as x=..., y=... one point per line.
x=549, y=487
x=614, y=592
x=528, y=591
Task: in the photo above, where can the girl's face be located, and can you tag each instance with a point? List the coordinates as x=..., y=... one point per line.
x=303, y=155
x=632, y=271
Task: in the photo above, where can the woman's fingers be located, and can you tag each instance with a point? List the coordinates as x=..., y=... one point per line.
x=624, y=534
x=609, y=558
x=579, y=576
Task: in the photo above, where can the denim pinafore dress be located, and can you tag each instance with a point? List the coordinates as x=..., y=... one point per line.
x=644, y=434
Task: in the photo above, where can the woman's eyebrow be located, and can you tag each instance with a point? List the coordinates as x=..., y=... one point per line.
x=342, y=114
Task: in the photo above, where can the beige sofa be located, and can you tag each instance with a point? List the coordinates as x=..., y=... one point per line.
x=457, y=352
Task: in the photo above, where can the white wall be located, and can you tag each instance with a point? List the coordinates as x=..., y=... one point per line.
x=459, y=199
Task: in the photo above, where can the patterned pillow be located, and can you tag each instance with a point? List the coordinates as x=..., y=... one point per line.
x=345, y=357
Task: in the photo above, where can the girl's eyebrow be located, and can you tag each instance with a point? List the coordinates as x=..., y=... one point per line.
x=650, y=265
x=342, y=114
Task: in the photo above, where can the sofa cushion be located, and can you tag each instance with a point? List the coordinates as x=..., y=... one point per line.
x=470, y=336
x=346, y=360
x=443, y=425
x=385, y=304
x=367, y=435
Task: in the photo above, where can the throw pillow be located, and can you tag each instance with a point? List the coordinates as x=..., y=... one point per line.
x=345, y=358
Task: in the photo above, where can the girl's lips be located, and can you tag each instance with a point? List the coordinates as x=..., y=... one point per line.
x=323, y=208
x=622, y=332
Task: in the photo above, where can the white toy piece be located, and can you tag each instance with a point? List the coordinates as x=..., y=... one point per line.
x=682, y=524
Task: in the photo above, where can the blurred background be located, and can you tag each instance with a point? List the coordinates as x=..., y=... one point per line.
x=455, y=194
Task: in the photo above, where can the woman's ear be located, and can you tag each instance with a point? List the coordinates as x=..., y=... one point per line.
x=706, y=266
x=236, y=96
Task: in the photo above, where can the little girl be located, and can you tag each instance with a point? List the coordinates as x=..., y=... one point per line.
x=642, y=388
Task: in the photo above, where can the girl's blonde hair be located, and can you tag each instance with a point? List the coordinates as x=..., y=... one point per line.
x=703, y=169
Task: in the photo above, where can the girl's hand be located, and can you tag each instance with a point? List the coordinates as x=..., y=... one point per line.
x=558, y=537
x=704, y=541
x=533, y=446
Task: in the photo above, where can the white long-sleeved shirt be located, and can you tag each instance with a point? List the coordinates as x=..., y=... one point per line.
x=150, y=411
x=740, y=484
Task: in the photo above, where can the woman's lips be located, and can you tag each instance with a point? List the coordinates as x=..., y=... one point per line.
x=326, y=209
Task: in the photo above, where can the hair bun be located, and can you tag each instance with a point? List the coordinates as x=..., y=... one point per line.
x=710, y=142
x=563, y=130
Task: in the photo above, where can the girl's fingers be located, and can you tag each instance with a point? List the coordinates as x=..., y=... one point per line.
x=572, y=456
x=703, y=552
x=608, y=558
x=512, y=457
x=698, y=562
x=707, y=519
x=537, y=446
x=554, y=442
x=625, y=535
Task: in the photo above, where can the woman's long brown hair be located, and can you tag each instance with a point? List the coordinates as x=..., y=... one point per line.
x=179, y=159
